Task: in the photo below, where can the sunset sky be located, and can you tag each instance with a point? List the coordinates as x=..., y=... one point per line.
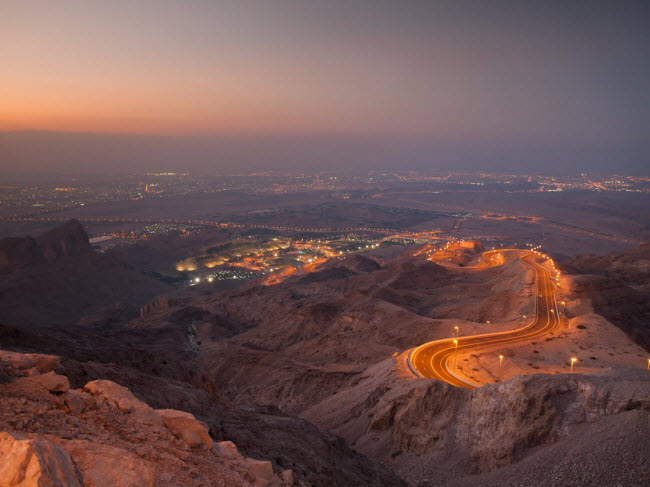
x=564, y=76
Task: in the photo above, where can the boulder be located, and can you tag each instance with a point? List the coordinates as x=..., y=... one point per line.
x=227, y=449
x=21, y=362
x=78, y=401
x=51, y=381
x=262, y=473
x=45, y=363
x=185, y=425
x=124, y=399
x=32, y=372
x=288, y=478
x=36, y=462
x=109, y=466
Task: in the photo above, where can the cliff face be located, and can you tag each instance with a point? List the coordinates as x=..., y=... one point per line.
x=617, y=286
x=430, y=430
x=68, y=240
x=58, y=278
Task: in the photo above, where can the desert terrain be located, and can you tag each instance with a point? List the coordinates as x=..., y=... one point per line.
x=312, y=373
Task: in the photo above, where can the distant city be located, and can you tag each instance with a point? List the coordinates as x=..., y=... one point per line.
x=32, y=200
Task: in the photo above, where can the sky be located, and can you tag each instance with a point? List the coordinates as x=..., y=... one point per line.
x=530, y=86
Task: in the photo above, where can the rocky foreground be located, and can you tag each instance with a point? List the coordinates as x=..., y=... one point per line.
x=102, y=435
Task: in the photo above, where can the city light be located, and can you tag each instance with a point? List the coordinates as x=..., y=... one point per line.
x=573, y=361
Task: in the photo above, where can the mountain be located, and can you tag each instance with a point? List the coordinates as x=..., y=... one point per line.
x=311, y=375
x=618, y=287
x=68, y=240
x=58, y=278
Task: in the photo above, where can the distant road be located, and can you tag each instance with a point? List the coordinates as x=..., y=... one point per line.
x=435, y=360
x=198, y=222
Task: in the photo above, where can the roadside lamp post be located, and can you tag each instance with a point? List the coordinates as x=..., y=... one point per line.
x=455, y=353
x=500, y=360
x=573, y=361
x=488, y=322
x=456, y=330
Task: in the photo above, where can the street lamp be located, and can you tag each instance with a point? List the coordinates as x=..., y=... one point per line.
x=456, y=329
x=573, y=361
x=500, y=360
x=455, y=353
x=488, y=322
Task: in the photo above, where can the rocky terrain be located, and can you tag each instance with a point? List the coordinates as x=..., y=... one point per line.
x=617, y=286
x=68, y=240
x=102, y=435
x=166, y=382
x=432, y=433
x=58, y=278
x=310, y=376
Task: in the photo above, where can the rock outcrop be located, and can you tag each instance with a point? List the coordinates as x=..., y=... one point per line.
x=78, y=401
x=67, y=240
x=26, y=462
x=160, y=304
x=24, y=364
x=489, y=428
x=104, y=436
x=50, y=381
x=185, y=425
x=124, y=400
x=59, y=278
x=109, y=466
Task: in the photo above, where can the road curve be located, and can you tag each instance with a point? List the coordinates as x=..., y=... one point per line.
x=435, y=360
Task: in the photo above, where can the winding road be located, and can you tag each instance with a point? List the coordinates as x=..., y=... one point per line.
x=435, y=360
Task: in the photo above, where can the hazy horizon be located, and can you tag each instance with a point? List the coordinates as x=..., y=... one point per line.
x=101, y=153
x=500, y=86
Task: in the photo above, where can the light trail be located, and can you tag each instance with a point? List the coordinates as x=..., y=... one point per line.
x=430, y=361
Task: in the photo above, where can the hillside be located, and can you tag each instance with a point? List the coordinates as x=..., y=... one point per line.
x=58, y=278
x=617, y=286
x=310, y=374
